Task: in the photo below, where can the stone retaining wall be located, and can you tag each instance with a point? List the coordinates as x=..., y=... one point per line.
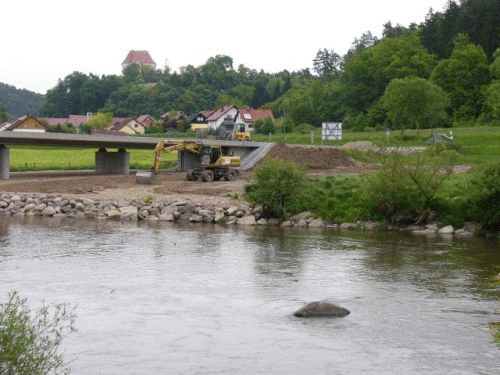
x=57, y=205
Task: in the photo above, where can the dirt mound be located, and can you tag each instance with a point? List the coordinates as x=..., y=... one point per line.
x=313, y=157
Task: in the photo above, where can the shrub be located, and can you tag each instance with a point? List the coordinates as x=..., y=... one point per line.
x=391, y=193
x=404, y=190
x=485, y=199
x=265, y=126
x=29, y=341
x=154, y=129
x=336, y=198
x=275, y=186
x=304, y=128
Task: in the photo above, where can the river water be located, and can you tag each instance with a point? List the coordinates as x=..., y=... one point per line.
x=169, y=299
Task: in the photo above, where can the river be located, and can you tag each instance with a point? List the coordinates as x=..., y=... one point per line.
x=203, y=299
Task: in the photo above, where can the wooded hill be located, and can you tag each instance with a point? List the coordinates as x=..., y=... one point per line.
x=444, y=71
x=19, y=102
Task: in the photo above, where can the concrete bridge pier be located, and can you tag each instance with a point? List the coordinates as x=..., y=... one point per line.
x=4, y=162
x=112, y=162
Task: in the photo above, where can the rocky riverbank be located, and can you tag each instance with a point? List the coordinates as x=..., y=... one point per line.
x=184, y=210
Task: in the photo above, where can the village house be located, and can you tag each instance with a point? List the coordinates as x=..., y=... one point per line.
x=173, y=120
x=223, y=114
x=76, y=120
x=146, y=120
x=26, y=123
x=198, y=121
x=248, y=116
x=128, y=126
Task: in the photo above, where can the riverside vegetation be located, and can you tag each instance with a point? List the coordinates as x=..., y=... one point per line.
x=30, y=339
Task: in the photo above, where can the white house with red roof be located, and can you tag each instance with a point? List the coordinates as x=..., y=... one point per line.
x=138, y=57
x=248, y=116
x=226, y=113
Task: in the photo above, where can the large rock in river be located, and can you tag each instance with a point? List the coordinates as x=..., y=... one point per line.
x=321, y=309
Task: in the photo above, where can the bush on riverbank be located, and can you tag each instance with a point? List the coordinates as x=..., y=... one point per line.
x=275, y=187
x=335, y=198
x=30, y=340
x=485, y=198
x=404, y=190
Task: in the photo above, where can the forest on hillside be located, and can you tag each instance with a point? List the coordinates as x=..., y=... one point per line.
x=444, y=71
x=16, y=103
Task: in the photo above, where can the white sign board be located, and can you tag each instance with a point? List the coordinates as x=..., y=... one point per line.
x=331, y=131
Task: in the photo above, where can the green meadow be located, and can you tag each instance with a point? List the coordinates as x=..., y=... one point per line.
x=65, y=158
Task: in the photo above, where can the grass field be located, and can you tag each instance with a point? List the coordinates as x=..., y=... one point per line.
x=62, y=158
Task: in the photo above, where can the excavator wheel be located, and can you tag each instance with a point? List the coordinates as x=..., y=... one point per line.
x=207, y=175
x=190, y=175
x=231, y=175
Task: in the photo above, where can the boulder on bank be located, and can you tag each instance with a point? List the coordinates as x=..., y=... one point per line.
x=321, y=309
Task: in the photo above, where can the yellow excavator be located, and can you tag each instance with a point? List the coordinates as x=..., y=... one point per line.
x=214, y=165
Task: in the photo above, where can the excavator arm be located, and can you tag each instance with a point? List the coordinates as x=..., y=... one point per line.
x=160, y=149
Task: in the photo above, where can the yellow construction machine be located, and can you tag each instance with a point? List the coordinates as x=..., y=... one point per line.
x=233, y=132
x=214, y=165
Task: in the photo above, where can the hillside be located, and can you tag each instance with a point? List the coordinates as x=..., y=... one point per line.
x=19, y=102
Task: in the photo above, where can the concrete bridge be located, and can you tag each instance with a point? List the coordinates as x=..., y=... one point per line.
x=118, y=162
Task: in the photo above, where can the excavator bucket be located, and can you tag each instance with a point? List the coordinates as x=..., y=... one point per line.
x=145, y=178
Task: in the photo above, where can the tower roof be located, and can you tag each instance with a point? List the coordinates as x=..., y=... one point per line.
x=138, y=57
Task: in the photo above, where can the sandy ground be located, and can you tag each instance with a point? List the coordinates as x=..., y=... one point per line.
x=170, y=184
x=174, y=185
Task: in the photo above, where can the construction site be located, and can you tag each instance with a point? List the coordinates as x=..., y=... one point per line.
x=316, y=160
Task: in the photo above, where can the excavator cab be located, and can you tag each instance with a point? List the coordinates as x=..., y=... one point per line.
x=210, y=155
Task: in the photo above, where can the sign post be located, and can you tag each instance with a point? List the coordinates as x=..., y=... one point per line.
x=331, y=131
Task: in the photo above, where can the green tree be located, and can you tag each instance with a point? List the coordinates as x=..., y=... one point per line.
x=463, y=76
x=368, y=72
x=101, y=120
x=327, y=63
x=275, y=186
x=3, y=112
x=30, y=339
x=264, y=126
x=415, y=103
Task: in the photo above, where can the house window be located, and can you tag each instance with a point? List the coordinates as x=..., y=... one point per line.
x=247, y=116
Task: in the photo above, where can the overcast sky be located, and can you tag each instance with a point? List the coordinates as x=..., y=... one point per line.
x=43, y=41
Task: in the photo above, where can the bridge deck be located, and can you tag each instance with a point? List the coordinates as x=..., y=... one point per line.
x=118, y=162
x=98, y=141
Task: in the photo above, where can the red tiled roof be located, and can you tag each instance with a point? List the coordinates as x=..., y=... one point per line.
x=252, y=115
x=78, y=120
x=138, y=57
x=56, y=120
x=220, y=112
